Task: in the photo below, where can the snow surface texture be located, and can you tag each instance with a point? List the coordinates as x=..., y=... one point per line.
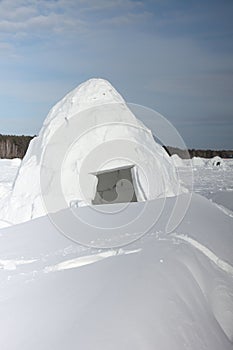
x=8, y=172
x=197, y=161
x=164, y=291
x=90, y=129
x=215, y=183
x=161, y=292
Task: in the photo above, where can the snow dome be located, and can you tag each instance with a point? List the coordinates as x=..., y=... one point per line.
x=216, y=162
x=93, y=150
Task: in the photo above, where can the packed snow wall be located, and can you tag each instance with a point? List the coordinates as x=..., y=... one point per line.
x=91, y=129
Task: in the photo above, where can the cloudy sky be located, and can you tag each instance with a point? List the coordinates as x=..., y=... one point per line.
x=173, y=56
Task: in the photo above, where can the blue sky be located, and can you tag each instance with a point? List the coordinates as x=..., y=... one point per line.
x=173, y=56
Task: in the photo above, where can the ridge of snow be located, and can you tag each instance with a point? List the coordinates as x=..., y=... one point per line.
x=223, y=265
x=88, y=259
x=11, y=264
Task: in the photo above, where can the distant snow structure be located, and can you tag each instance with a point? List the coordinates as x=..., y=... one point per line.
x=139, y=170
x=216, y=162
x=198, y=161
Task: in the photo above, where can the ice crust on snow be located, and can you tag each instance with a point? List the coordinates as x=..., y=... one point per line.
x=96, y=99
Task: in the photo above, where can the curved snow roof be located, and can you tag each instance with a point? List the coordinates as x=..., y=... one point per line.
x=90, y=129
x=215, y=161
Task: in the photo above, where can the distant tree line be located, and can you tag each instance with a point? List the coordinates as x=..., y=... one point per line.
x=203, y=153
x=12, y=146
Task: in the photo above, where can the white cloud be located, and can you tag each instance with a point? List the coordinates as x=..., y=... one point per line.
x=32, y=20
x=44, y=23
x=31, y=16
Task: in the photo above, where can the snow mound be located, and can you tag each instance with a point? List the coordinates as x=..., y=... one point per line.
x=162, y=292
x=177, y=161
x=198, y=161
x=98, y=114
x=15, y=162
x=8, y=172
x=224, y=198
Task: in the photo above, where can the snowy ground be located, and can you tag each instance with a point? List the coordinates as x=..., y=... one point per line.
x=8, y=172
x=209, y=180
x=213, y=183
x=165, y=291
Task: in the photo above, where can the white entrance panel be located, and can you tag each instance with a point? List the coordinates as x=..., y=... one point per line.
x=115, y=186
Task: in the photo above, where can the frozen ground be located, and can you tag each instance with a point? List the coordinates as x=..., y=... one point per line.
x=165, y=291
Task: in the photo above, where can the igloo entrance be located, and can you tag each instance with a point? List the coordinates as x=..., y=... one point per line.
x=115, y=186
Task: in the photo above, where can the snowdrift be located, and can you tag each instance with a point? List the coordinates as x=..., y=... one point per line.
x=178, y=162
x=164, y=291
x=223, y=198
x=8, y=172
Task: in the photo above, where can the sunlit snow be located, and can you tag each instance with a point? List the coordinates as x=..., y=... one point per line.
x=157, y=275
x=167, y=291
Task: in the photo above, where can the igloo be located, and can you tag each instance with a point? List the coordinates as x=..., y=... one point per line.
x=91, y=150
x=216, y=162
